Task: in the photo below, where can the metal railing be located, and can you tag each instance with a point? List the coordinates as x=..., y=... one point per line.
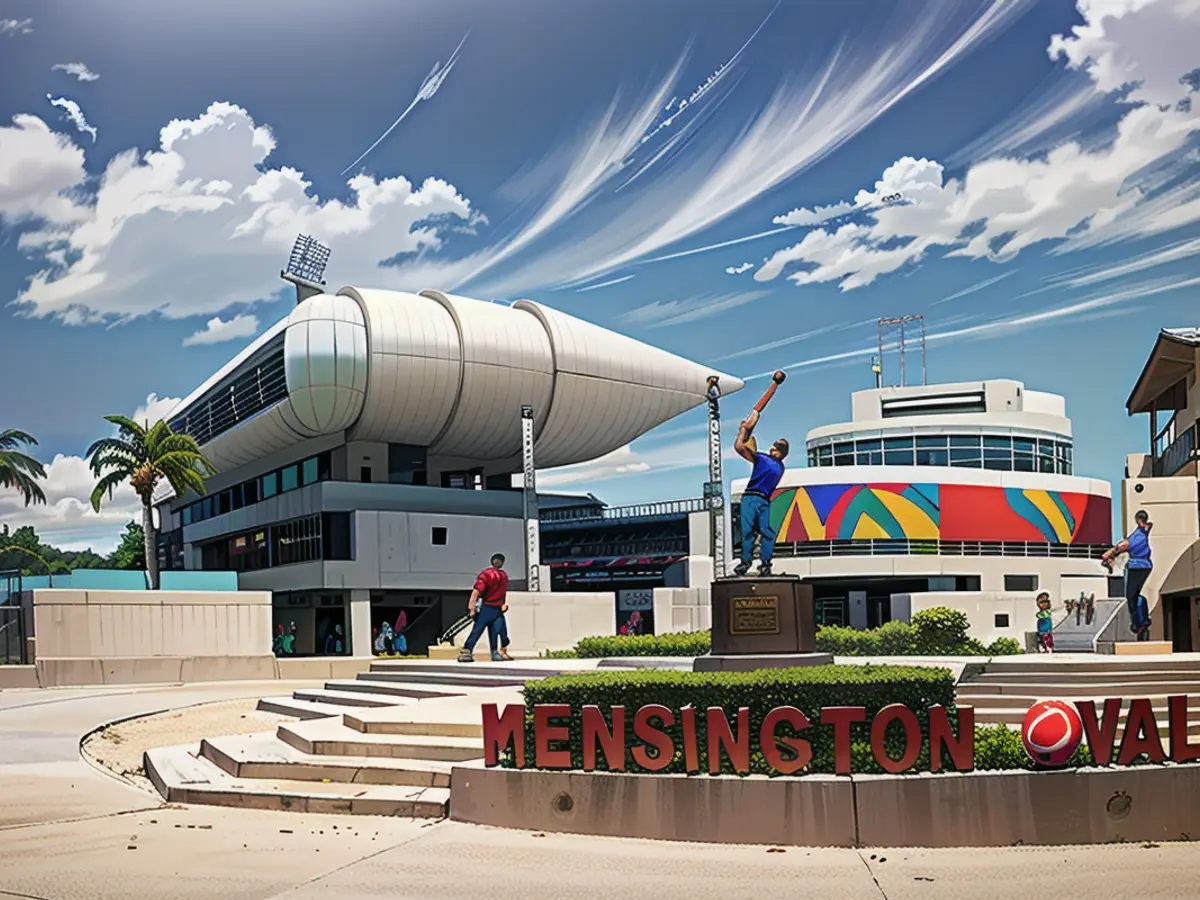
x=572, y=515
x=903, y=547
x=649, y=547
x=1178, y=453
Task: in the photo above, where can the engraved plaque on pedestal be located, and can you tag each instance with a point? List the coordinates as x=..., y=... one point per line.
x=756, y=616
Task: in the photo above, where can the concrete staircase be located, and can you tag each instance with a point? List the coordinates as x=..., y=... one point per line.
x=1003, y=690
x=1074, y=634
x=382, y=744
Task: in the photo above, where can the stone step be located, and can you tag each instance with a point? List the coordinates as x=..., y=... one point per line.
x=1070, y=689
x=1035, y=664
x=465, y=679
x=479, y=667
x=264, y=756
x=329, y=737
x=447, y=716
x=1015, y=717
x=182, y=775
x=299, y=709
x=394, y=689
x=1072, y=676
x=351, y=698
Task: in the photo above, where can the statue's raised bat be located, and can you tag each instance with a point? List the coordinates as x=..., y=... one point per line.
x=776, y=380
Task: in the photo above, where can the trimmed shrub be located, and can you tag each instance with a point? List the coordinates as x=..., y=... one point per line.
x=558, y=654
x=807, y=689
x=685, y=643
x=1005, y=647
x=933, y=632
x=1000, y=747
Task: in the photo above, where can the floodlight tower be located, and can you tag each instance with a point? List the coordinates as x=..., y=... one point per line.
x=887, y=325
x=306, y=267
x=533, y=544
x=714, y=490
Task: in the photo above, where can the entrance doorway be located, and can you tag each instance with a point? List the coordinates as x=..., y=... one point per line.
x=1178, y=619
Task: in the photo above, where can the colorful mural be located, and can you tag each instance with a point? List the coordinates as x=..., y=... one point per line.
x=949, y=512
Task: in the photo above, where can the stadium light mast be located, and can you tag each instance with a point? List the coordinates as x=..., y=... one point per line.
x=714, y=489
x=306, y=267
x=888, y=325
x=533, y=543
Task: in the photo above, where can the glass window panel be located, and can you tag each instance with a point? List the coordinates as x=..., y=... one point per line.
x=270, y=485
x=824, y=455
x=187, y=515
x=999, y=465
x=996, y=453
x=812, y=457
x=1023, y=462
x=998, y=442
x=250, y=489
x=308, y=471
x=869, y=445
x=844, y=459
x=904, y=443
x=1045, y=464
x=1024, y=445
x=965, y=458
x=1045, y=448
x=843, y=448
x=932, y=457
x=1062, y=468
x=289, y=479
x=898, y=457
x=931, y=441
x=964, y=440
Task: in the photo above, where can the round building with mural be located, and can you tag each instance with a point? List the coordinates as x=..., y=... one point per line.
x=959, y=495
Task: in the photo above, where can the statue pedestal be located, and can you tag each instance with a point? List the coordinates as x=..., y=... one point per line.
x=762, y=623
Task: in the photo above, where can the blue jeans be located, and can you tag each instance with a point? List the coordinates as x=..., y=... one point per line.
x=756, y=519
x=487, y=618
x=502, y=630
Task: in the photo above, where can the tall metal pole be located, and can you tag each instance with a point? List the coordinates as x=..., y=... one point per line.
x=903, y=370
x=714, y=490
x=533, y=544
x=924, y=376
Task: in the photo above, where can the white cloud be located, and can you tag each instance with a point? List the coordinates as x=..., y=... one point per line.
x=604, y=284
x=433, y=81
x=217, y=330
x=16, y=26
x=72, y=111
x=738, y=270
x=623, y=461
x=76, y=69
x=975, y=288
x=662, y=313
x=1163, y=256
x=817, y=215
x=36, y=167
x=156, y=228
x=67, y=520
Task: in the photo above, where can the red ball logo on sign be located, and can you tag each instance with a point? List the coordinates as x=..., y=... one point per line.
x=1051, y=732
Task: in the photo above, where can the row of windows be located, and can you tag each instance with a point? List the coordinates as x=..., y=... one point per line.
x=230, y=404
x=325, y=536
x=297, y=475
x=971, y=451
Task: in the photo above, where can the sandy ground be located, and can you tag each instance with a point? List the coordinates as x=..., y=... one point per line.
x=119, y=747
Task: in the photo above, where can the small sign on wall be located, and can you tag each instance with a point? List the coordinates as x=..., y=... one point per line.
x=635, y=600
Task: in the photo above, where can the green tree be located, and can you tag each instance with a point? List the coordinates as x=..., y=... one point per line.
x=131, y=552
x=18, y=469
x=144, y=456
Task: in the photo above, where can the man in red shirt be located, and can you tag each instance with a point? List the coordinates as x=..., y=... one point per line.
x=487, y=608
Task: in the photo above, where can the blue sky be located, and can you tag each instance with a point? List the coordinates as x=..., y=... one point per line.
x=156, y=161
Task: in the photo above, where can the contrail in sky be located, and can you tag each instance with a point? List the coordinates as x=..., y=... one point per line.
x=428, y=88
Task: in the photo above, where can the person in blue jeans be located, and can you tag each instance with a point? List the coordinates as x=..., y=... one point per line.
x=756, y=499
x=1137, y=570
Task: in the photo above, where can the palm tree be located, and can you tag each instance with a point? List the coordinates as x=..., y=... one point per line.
x=20, y=470
x=143, y=456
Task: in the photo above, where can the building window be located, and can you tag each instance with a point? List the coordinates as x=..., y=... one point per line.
x=1020, y=583
x=437, y=536
x=406, y=464
x=308, y=471
x=296, y=541
x=289, y=479
x=269, y=486
x=364, y=474
x=1002, y=453
x=869, y=453
x=843, y=453
x=336, y=537
x=898, y=451
x=1001, y=620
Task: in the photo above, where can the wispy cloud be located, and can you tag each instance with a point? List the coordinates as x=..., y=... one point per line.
x=1171, y=253
x=72, y=111
x=793, y=339
x=433, y=81
x=730, y=243
x=661, y=313
x=738, y=270
x=1007, y=325
x=77, y=70
x=604, y=284
x=986, y=283
x=216, y=330
x=16, y=26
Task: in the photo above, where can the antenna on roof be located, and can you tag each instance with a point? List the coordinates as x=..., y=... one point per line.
x=887, y=325
x=306, y=267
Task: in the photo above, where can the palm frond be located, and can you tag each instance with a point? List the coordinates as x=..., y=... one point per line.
x=11, y=439
x=106, y=485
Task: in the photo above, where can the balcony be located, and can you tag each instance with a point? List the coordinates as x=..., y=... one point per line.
x=1178, y=455
x=583, y=515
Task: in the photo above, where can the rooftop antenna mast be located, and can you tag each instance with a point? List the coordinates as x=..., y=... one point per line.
x=306, y=267
x=905, y=325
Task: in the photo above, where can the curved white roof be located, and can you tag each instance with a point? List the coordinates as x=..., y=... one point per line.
x=449, y=373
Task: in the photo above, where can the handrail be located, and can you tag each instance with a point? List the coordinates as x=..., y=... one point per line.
x=636, y=511
x=1180, y=451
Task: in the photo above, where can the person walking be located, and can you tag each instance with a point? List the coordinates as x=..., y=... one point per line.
x=1137, y=570
x=487, y=608
x=756, y=499
x=1045, y=624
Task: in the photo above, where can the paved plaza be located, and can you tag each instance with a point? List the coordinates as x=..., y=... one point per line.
x=69, y=831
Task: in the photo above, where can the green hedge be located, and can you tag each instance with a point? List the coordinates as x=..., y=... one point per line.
x=686, y=643
x=933, y=632
x=807, y=689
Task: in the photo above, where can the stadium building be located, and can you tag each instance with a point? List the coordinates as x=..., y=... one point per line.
x=961, y=495
x=366, y=448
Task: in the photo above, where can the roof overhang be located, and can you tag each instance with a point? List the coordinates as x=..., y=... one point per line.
x=1184, y=577
x=1159, y=386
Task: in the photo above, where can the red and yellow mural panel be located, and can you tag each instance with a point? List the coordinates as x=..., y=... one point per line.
x=948, y=512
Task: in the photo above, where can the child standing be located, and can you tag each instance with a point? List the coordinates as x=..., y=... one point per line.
x=1045, y=625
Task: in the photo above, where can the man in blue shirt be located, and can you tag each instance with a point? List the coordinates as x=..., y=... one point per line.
x=756, y=499
x=1137, y=570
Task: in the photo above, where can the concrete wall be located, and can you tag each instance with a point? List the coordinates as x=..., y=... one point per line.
x=556, y=621
x=981, y=610
x=145, y=637
x=682, y=609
